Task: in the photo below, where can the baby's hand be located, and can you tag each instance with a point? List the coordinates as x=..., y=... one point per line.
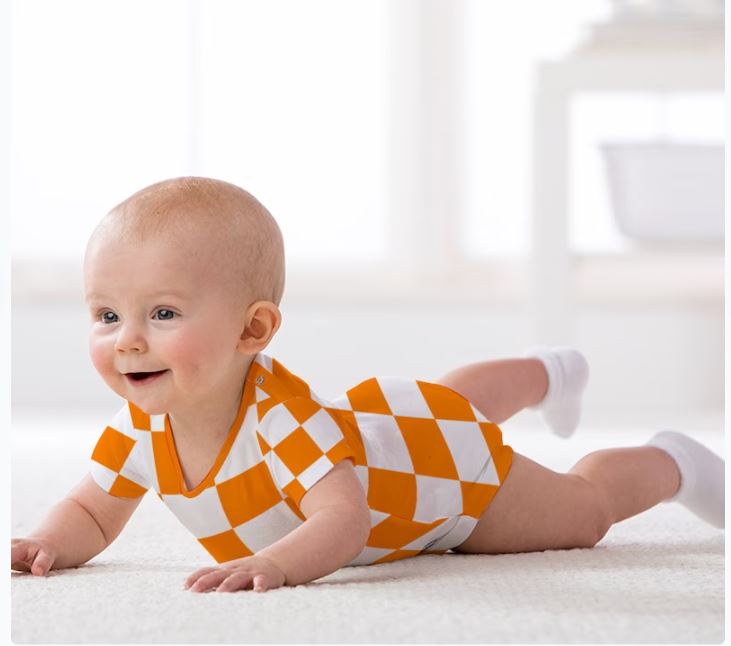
x=255, y=572
x=35, y=555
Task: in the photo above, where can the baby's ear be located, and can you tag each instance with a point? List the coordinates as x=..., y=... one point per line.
x=262, y=321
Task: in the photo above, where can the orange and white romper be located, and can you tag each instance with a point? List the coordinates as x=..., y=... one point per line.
x=428, y=460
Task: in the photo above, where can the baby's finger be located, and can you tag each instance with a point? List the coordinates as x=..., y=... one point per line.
x=197, y=575
x=236, y=581
x=210, y=580
x=21, y=556
x=260, y=583
x=41, y=564
x=19, y=566
x=19, y=553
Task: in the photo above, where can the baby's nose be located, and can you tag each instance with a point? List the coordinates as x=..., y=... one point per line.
x=130, y=339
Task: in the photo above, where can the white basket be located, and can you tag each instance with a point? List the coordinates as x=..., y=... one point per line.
x=667, y=191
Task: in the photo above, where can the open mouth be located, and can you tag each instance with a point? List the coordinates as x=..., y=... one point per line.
x=143, y=377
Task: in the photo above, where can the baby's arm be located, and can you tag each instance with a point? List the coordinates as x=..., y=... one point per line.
x=75, y=530
x=335, y=532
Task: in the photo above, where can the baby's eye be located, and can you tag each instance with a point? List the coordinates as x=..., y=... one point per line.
x=108, y=317
x=165, y=315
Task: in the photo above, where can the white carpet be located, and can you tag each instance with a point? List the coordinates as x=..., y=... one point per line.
x=657, y=578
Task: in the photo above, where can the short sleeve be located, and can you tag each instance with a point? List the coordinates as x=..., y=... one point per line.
x=301, y=443
x=117, y=463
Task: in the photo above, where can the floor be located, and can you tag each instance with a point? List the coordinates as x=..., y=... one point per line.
x=658, y=577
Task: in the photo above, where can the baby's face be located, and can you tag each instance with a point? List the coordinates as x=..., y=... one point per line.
x=165, y=326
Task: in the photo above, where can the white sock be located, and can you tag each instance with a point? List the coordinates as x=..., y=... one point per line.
x=702, y=484
x=568, y=373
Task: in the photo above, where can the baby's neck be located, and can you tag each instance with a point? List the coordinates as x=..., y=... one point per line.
x=211, y=419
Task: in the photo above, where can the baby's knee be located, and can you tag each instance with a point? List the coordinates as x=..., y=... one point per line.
x=595, y=517
x=600, y=527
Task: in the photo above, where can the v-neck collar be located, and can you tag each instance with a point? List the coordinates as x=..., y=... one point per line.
x=248, y=396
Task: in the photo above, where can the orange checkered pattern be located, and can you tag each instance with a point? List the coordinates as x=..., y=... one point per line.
x=429, y=463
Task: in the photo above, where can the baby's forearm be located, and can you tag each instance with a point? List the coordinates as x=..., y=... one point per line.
x=324, y=543
x=73, y=531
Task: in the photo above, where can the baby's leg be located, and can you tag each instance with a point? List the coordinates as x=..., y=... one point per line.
x=552, y=380
x=500, y=389
x=537, y=509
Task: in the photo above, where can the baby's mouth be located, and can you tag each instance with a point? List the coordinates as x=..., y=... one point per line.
x=139, y=378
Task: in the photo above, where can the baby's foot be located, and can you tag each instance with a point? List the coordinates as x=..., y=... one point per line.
x=702, y=488
x=568, y=373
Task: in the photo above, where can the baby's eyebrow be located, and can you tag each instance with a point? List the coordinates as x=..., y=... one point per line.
x=94, y=296
x=173, y=293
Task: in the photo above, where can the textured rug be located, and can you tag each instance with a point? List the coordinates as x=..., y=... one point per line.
x=656, y=578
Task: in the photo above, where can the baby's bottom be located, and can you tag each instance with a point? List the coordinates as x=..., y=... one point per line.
x=537, y=509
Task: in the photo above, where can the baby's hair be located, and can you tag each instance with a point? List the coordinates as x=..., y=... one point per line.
x=246, y=236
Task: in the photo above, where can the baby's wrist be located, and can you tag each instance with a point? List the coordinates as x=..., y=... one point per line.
x=46, y=540
x=275, y=565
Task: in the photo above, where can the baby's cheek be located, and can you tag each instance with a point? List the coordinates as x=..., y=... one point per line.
x=200, y=355
x=100, y=358
x=185, y=354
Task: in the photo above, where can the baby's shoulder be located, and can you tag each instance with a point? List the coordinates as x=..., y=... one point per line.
x=274, y=380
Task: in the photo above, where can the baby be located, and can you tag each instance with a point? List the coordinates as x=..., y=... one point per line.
x=183, y=282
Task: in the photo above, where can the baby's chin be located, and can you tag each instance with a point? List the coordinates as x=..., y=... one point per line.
x=147, y=407
x=151, y=410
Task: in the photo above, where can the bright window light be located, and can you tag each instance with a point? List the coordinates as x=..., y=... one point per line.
x=108, y=97
x=503, y=43
x=293, y=103
x=98, y=110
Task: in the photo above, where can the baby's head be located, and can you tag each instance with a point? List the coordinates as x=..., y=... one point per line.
x=214, y=220
x=183, y=281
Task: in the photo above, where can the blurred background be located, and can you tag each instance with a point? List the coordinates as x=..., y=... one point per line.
x=456, y=180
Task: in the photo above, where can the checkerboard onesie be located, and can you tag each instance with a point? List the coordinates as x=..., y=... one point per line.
x=428, y=460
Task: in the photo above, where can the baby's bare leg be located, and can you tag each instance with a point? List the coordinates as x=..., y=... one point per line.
x=538, y=509
x=499, y=389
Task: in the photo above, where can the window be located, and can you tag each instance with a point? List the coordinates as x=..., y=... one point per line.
x=283, y=97
x=309, y=105
x=98, y=94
